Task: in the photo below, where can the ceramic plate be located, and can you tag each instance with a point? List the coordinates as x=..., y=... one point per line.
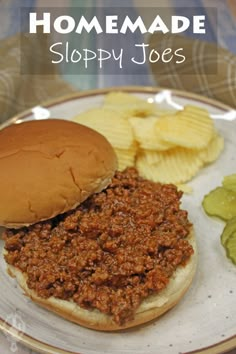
x=204, y=320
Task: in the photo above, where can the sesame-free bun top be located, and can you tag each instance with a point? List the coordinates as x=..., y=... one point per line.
x=49, y=167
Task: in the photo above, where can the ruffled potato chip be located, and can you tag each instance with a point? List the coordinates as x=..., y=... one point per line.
x=126, y=158
x=165, y=146
x=119, y=98
x=128, y=104
x=213, y=149
x=185, y=188
x=147, y=135
x=110, y=124
x=151, y=156
x=190, y=128
x=177, y=165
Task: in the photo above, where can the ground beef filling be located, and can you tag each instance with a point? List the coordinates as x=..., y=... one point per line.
x=111, y=252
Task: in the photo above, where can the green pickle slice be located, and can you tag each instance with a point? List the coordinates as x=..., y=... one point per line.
x=229, y=228
x=220, y=202
x=230, y=246
x=229, y=182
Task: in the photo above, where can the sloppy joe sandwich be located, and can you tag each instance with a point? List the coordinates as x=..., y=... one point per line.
x=105, y=249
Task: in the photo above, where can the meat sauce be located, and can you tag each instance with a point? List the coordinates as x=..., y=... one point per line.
x=115, y=249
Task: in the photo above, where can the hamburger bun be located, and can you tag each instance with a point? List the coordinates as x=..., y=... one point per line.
x=51, y=167
x=151, y=308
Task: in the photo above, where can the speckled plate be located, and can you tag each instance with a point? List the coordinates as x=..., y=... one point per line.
x=205, y=319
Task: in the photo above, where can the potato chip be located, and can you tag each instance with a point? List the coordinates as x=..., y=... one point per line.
x=145, y=170
x=195, y=110
x=126, y=158
x=229, y=182
x=146, y=134
x=128, y=104
x=190, y=128
x=165, y=145
x=119, y=97
x=132, y=110
x=177, y=165
x=213, y=149
x=152, y=157
x=185, y=188
x=159, y=112
x=112, y=125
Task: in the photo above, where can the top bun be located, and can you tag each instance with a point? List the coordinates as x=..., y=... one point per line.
x=49, y=167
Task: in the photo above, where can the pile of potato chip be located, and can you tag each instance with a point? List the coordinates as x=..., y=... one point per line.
x=165, y=146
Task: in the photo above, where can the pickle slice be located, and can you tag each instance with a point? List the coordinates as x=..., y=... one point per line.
x=220, y=202
x=231, y=247
x=229, y=228
x=229, y=182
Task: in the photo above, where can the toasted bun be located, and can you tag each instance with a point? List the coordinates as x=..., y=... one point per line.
x=151, y=308
x=49, y=167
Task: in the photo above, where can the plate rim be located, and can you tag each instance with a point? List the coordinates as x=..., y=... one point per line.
x=35, y=344
x=102, y=91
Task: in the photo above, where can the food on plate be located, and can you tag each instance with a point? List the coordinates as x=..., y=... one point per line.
x=176, y=165
x=229, y=229
x=116, y=130
x=129, y=104
x=126, y=158
x=178, y=143
x=213, y=150
x=191, y=128
x=229, y=182
x=221, y=202
x=146, y=134
x=103, y=248
x=230, y=247
x=185, y=188
x=40, y=176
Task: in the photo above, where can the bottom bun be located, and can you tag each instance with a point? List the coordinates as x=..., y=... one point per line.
x=150, y=308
